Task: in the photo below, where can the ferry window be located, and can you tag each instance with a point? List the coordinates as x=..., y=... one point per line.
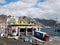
x=13, y=31
x=34, y=28
x=29, y=29
x=22, y=29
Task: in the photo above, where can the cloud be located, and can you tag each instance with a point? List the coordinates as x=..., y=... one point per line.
x=19, y=6
x=49, y=9
x=29, y=1
x=2, y=1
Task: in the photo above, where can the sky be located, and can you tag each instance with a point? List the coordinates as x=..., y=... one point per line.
x=43, y=9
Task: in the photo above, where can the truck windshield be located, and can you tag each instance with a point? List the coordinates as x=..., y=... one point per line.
x=13, y=31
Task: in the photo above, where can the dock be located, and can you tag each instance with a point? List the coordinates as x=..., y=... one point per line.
x=27, y=41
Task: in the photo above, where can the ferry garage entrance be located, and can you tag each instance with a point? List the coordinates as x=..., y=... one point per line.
x=22, y=30
x=27, y=31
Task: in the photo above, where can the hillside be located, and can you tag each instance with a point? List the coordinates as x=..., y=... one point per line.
x=46, y=22
x=3, y=18
x=42, y=22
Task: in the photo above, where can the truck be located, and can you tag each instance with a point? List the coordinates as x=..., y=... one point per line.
x=41, y=35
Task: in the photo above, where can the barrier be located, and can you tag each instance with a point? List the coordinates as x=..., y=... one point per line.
x=37, y=41
x=33, y=40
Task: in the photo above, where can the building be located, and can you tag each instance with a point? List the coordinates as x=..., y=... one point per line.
x=21, y=27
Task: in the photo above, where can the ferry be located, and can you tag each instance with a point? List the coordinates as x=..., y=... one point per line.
x=16, y=28
x=57, y=27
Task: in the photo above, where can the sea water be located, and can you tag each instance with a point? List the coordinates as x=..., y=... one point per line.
x=51, y=31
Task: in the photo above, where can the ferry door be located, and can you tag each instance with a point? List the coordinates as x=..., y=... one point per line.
x=24, y=31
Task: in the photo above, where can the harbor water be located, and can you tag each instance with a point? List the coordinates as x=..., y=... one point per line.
x=51, y=31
